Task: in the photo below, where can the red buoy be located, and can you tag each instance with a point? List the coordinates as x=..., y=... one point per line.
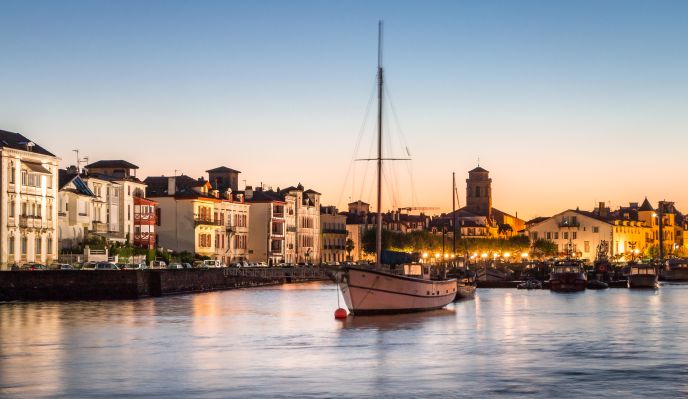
x=340, y=314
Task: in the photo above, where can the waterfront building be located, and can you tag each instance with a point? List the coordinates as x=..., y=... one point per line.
x=357, y=222
x=303, y=224
x=268, y=225
x=232, y=241
x=583, y=230
x=195, y=217
x=116, y=185
x=75, y=209
x=479, y=218
x=334, y=235
x=28, y=201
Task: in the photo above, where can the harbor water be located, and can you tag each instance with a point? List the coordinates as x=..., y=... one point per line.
x=283, y=342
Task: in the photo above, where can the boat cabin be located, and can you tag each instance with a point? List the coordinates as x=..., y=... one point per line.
x=640, y=270
x=567, y=267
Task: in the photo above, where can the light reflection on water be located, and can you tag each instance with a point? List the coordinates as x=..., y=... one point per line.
x=283, y=342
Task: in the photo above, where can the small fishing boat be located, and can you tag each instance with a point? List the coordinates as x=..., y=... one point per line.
x=465, y=288
x=597, y=285
x=567, y=276
x=676, y=269
x=530, y=285
x=642, y=275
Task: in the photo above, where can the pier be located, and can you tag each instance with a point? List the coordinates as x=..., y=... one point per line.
x=133, y=284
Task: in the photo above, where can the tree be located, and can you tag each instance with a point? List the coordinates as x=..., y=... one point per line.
x=349, y=246
x=505, y=229
x=544, y=247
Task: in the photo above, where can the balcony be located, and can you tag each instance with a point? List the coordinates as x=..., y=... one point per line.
x=144, y=218
x=334, y=231
x=206, y=221
x=99, y=227
x=278, y=214
x=146, y=240
x=35, y=222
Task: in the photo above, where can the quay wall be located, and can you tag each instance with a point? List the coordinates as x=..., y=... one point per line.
x=132, y=284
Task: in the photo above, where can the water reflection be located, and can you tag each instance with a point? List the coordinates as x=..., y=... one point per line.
x=283, y=342
x=395, y=322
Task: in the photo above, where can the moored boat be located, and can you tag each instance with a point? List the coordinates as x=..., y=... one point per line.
x=642, y=275
x=676, y=269
x=466, y=287
x=376, y=291
x=371, y=291
x=567, y=276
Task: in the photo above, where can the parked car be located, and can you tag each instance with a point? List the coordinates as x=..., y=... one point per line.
x=158, y=264
x=240, y=264
x=262, y=264
x=121, y=266
x=34, y=266
x=187, y=265
x=135, y=266
x=106, y=266
x=212, y=263
x=61, y=266
x=175, y=266
x=89, y=266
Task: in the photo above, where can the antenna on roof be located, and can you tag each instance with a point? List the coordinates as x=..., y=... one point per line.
x=78, y=160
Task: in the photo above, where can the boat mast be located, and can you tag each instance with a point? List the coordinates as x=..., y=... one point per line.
x=454, y=213
x=378, y=231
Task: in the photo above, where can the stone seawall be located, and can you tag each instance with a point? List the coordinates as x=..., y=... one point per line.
x=132, y=284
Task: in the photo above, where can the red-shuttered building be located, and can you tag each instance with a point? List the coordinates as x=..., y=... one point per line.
x=145, y=220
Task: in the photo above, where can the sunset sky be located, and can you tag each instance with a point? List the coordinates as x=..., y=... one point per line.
x=566, y=103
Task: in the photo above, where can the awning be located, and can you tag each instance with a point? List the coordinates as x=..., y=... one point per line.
x=36, y=167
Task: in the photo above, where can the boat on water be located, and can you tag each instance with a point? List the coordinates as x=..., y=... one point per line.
x=643, y=275
x=372, y=290
x=531, y=284
x=466, y=287
x=567, y=276
x=675, y=269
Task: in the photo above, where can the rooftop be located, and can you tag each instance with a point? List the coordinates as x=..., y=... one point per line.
x=18, y=142
x=111, y=163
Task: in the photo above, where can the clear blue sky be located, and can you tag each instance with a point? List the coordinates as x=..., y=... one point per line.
x=566, y=103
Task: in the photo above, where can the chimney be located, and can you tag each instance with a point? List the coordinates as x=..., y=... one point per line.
x=72, y=170
x=248, y=192
x=171, y=185
x=602, y=210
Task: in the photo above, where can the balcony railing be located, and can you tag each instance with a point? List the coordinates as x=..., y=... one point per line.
x=144, y=218
x=208, y=222
x=99, y=227
x=334, y=231
x=32, y=221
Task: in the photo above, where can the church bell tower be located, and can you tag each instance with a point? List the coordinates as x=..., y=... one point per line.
x=479, y=192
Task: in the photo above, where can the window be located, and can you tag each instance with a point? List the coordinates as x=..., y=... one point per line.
x=24, y=241
x=574, y=235
x=595, y=229
x=128, y=212
x=566, y=235
x=128, y=190
x=24, y=178
x=477, y=191
x=50, y=245
x=10, y=245
x=11, y=171
x=556, y=235
x=11, y=210
x=39, y=241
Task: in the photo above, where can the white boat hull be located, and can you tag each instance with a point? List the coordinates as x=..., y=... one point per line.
x=373, y=292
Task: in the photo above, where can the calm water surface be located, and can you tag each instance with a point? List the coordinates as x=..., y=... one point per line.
x=283, y=342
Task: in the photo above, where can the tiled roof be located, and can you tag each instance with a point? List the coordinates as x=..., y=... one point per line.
x=112, y=163
x=646, y=206
x=18, y=142
x=80, y=187
x=264, y=196
x=222, y=169
x=477, y=169
x=157, y=186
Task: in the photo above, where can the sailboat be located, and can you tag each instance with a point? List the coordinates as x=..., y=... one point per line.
x=375, y=291
x=466, y=284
